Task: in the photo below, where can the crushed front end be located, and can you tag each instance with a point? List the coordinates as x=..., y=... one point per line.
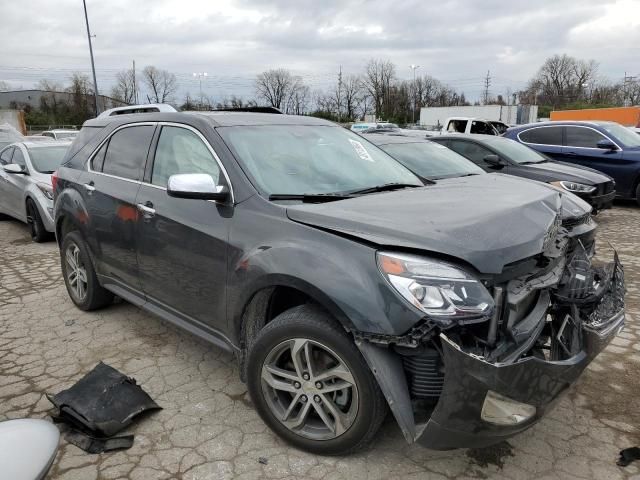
x=479, y=380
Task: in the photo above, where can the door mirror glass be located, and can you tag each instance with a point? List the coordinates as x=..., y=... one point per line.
x=606, y=144
x=14, y=168
x=196, y=186
x=494, y=161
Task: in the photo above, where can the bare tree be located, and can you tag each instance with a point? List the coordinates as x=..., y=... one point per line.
x=125, y=88
x=275, y=87
x=162, y=84
x=379, y=75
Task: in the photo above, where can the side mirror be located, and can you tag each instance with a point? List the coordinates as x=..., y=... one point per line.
x=606, y=144
x=494, y=161
x=15, y=169
x=199, y=186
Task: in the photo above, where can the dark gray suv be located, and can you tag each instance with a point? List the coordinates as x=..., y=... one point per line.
x=343, y=283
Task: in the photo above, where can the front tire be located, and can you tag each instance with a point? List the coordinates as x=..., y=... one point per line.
x=311, y=386
x=36, y=227
x=79, y=275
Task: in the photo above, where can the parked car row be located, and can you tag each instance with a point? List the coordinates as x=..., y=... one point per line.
x=348, y=279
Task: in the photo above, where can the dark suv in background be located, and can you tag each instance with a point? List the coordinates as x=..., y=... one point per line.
x=343, y=282
x=605, y=146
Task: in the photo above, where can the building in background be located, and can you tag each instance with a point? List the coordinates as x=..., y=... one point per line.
x=34, y=99
x=509, y=114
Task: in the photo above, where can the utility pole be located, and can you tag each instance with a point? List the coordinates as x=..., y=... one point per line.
x=628, y=80
x=487, y=84
x=413, y=111
x=93, y=67
x=200, y=76
x=135, y=88
x=339, y=94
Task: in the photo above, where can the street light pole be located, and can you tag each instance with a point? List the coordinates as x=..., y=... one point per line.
x=200, y=76
x=413, y=111
x=93, y=67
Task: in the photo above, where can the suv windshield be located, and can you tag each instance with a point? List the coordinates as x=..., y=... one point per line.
x=626, y=136
x=515, y=151
x=432, y=161
x=47, y=159
x=304, y=159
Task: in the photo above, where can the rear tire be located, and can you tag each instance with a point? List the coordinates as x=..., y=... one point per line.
x=307, y=402
x=36, y=227
x=79, y=275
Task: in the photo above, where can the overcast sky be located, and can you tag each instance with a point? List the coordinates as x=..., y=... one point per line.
x=232, y=40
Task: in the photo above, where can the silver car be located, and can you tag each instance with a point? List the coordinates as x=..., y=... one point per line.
x=25, y=183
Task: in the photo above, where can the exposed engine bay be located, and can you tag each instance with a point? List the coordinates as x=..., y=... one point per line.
x=552, y=314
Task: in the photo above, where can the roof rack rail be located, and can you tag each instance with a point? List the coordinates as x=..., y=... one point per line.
x=255, y=109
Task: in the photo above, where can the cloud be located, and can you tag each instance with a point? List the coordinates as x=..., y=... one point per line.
x=456, y=41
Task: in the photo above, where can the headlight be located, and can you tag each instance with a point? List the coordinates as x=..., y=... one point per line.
x=574, y=186
x=435, y=287
x=46, y=190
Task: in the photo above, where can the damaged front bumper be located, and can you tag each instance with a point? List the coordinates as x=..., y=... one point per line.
x=484, y=400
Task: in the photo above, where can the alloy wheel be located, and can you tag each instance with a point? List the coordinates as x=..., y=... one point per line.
x=76, y=272
x=309, y=389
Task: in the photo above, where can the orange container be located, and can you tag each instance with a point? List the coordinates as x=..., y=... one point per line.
x=627, y=116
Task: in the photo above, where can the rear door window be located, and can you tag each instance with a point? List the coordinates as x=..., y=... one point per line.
x=127, y=152
x=472, y=151
x=542, y=136
x=582, y=137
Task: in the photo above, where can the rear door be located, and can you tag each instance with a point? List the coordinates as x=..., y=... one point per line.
x=581, y=148
x=182, y=243
x=5, y=159
x=14, y=186
x=109, y=188
x=473, y=152
x=545, y=139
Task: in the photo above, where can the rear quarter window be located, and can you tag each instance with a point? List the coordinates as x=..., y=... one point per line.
x=85, y=135
x=542, y=135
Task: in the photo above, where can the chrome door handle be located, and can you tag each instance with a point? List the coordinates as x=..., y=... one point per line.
x=148, y=212
x=89, y=188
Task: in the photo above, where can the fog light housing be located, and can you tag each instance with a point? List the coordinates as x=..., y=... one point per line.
x=501, y=410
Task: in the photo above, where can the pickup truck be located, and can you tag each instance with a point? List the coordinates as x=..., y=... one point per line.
x=466, y=125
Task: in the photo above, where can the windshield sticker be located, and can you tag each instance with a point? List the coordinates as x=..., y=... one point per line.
x=361, y=151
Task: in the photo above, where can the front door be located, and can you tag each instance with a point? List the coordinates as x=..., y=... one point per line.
x=581, y=148
x=182, y=243
x=109, y=188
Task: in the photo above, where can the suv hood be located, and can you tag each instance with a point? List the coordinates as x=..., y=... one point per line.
x=488, y=221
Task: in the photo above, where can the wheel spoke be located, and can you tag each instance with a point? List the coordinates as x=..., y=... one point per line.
x=80, y=289
x=340, y=372
x=341, y=421
x=280, y=372
x=82, y=275
x=299, y=420
x=336, y=387
x=324, y=417
x=273, y=382
x=291, y=406
x=73, y=278
x=70, y=259
x=297, y=350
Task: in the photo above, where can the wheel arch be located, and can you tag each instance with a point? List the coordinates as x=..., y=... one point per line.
x=270, y=298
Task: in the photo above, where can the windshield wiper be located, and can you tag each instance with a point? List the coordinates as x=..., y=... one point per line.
x=310, y=197
x=384, y=188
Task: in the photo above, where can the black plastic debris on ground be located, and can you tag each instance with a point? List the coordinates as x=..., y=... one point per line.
x=98, y=406
x=628, y=455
